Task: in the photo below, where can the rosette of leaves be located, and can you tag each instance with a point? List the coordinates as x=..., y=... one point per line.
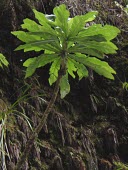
x=67, y=43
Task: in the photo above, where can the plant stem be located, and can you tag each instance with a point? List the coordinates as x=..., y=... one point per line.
x=43, y=120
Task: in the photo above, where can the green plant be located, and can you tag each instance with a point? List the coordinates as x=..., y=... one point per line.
x=67, y=43
x=69, y=47
x=3, y=61
x=6, y=113
x=121, y=166
x=3, y=109
x=125, y=85
x=3, y=144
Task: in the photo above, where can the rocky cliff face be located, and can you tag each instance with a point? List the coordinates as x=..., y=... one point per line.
x=88, y=130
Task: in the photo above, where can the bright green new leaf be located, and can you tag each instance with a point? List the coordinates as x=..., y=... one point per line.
x=64, y=86
x=62, y=15
x=76, y=24
x=55, y=67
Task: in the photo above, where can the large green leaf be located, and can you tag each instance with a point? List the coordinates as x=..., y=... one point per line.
x=31, y=25
x=41, y=17
x=64, y=86
x=98, y=47
x=85, y=50
x=103, y=71
x=37, y=38
x=26, y=37
x=43, y=35
x=55, y=67
x=81, y=69
x=46, y=58
x=76, y=24
x=29, y=61
x=101, y=67
x=42, y=59
x=44, y=19
x=71, y=68
x=32, y=65
x=39, y=45
x=97, y=38
x=36, y=62
x=105, y=47
x=62, y=15
x=108, y=31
